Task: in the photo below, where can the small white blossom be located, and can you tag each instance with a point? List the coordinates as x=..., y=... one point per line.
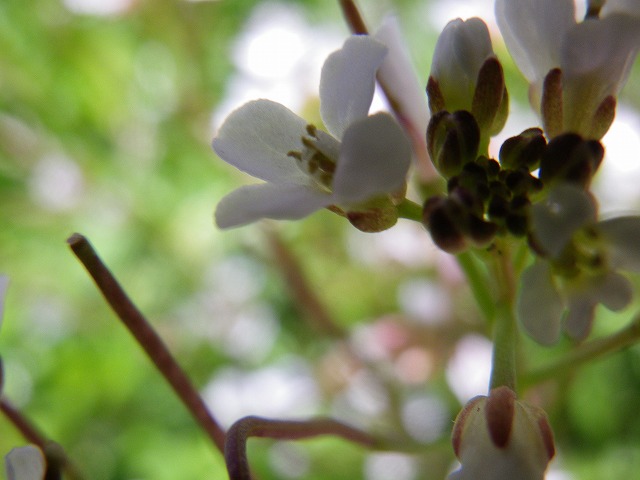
x=304, y=168
x=594, y=57
x=498, y=438
x=25, y=463
x=580, y=271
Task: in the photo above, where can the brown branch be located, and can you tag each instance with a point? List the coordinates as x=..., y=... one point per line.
x=302, y=292
x=55, y=455
x=358, y=27
x=353, y=17
x=147, y=337
x=236, y=445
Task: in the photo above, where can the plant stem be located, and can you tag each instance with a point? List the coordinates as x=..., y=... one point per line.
x=479, y=284
x=147, y=337
x=585, y=353
x=410, y=210
x=503, y=369
x=417, y=135
x=56, y=457
x=301, y=289
x=236, y=447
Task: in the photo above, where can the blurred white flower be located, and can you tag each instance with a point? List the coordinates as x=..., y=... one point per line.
x=594, y=58
x=304, y=168
x=581, y=269
x=25, y=463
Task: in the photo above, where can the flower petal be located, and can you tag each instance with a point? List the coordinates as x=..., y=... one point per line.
x=596, y=58
x=460, y=51
x=256, y=139
x=374, y=159
x=347, y=82
x=614, y=291
x=579, y=320
x=25, y=463
x=533, y=32
x=622, y=235
x=566, y=209
x=540, y=307
x=283, y=202
x=398, y=74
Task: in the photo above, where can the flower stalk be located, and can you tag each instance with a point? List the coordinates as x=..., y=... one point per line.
x=147, y=337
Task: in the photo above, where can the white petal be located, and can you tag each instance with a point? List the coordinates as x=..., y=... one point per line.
x=462, y=48
x=614, y=291
x=533, y=32
x=374, y=159
x=256, y=139
x=399, y=76
x=278, y=201
x=623, y=237
x=25, y=463
x=540, y=307
x=597, y=56
x=580, y=317
x=566, y=209
x=347, y=82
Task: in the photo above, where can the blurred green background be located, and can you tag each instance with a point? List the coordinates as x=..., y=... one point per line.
x=107, y=110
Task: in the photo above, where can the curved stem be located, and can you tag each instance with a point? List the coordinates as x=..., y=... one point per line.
x=147, y=337
x=586, y=352
x=235, y=451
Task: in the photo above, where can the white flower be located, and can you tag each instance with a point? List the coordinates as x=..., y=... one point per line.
x=304, y=168
x=499, y=438
x=25, y=463
x=581, y=269
x=461, y=50
x=594, y=58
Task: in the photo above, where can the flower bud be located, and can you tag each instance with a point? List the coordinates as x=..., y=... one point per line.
x=452, y=141
x=461, y=50
x=570, y=158
x=375, y=216
x=498, y=437
x=523, y=151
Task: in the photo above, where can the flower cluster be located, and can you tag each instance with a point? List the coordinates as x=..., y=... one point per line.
x=535, y=194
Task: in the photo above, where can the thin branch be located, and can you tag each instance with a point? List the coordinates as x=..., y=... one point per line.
x=56, y=457
x=301, y=290
x=353, y=17
x=358, y=26
x=237, y=436
x=147, y=337
x=585, y=353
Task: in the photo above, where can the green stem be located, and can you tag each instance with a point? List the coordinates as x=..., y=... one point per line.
x=410, y=210
x=503, y=369
x=478, y=283
x=585, y=353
